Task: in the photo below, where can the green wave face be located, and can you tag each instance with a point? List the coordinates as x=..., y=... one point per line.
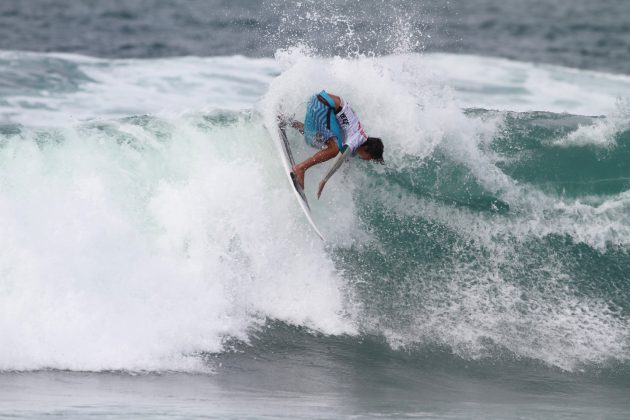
x=536, y=264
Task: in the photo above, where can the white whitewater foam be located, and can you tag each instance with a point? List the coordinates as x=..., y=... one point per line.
x=134, y=248
x=475, y=308
x=496, y=83
x=603, y=132
x=113, y=88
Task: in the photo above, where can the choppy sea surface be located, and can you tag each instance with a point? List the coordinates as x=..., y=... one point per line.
x=154, y=262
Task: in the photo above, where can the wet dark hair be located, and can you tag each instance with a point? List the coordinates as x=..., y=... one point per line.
x=374, y=146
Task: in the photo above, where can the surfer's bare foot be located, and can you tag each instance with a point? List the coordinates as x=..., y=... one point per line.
x=299, y=175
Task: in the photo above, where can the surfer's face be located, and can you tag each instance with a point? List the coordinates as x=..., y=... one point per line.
x=363, y=154
x=372, y=149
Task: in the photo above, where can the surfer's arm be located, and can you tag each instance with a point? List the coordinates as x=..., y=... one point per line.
x=333, y=169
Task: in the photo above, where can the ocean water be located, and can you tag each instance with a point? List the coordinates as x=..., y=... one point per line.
x=155, y=264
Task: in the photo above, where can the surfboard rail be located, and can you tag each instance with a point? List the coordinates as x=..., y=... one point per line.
x=280, y=136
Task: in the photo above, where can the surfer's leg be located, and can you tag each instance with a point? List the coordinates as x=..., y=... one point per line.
x=330, y=151
x=314, y=127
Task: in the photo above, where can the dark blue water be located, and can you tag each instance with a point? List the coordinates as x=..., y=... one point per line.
x=583, y=34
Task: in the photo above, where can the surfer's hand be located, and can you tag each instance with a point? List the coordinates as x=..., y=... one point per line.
x=322, y=184
x=298, y=126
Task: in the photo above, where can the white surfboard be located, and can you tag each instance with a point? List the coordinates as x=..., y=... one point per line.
x=280, y=137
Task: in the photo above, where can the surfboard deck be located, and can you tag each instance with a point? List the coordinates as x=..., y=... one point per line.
x=288, y=161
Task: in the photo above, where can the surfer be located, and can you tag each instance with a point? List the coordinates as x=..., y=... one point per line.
x=330, y=124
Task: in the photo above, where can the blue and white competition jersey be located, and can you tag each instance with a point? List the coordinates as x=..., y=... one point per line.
x=352, y=130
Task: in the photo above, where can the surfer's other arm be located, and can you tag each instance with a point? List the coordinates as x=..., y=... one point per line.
x=298, y=126
x=332, y=170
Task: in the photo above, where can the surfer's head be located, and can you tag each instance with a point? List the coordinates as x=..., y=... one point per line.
x=372, y=149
